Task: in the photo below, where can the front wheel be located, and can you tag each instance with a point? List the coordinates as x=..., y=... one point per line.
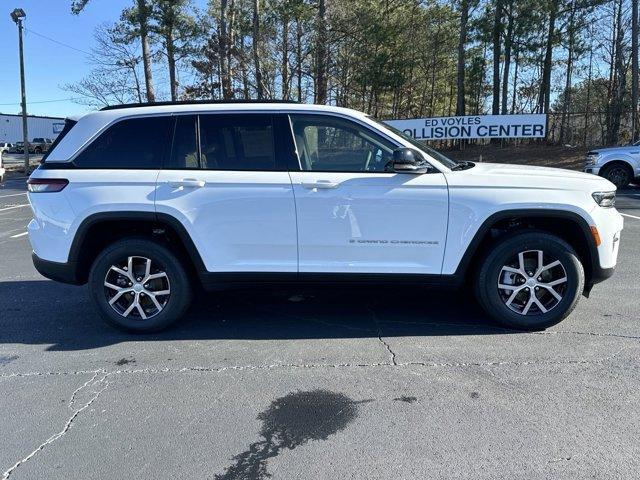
x=139, y=286
x=618, y=173
x=530, y=281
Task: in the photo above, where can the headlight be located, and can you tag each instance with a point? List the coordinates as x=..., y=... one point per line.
x=605, y=199
x=591, y=158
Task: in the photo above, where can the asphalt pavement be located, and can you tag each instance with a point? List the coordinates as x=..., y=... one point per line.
x=335, y=383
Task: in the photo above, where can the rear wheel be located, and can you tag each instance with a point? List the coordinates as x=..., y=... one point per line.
x=618, y=173
x=139, y=286
x=530, y=281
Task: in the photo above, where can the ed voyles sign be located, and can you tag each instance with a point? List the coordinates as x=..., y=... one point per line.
x=479, y=126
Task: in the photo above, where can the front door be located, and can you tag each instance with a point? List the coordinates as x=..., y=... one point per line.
x=225, y=182
x=354, y=214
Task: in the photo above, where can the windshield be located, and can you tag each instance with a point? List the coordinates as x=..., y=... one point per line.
x=446, y=161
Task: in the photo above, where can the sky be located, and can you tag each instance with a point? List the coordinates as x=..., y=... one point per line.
x=50, y=65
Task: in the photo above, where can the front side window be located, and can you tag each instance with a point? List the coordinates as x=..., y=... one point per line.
x=331, y=144
x=135, y=143
x=446, y=161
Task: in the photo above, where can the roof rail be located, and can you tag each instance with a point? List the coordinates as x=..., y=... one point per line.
x=191, y=102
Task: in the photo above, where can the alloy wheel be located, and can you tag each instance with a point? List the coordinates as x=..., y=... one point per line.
x=532, y=283
x=618, y=176
x=137, y=288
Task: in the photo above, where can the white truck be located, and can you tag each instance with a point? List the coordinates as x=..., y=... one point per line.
x=619, y=165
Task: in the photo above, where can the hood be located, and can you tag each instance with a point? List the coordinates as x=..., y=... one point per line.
x=625, y=149
x=524, y=176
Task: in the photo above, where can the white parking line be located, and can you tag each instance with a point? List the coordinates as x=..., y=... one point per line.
x=19, y=235
x=14, y=206
x=13, y=195
x=630, y=216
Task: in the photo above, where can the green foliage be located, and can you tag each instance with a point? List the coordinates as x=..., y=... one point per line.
x=393, y=58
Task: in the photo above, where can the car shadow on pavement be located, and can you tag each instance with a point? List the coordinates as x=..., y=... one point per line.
x=62, y=316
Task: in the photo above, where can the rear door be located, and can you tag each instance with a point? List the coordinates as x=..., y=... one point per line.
x=355, y=215
x=227, y=182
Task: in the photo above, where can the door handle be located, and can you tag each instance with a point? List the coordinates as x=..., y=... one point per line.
x=320, y=184
x=187, y=183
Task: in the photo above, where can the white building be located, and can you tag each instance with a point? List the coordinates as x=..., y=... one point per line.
x=43, y=127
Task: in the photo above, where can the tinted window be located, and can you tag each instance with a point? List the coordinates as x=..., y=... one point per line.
x=184, y=153
x=237, y=142
x=332, y=144
x=132, y=143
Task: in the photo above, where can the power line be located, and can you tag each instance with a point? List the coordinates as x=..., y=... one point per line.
x=45, y=101
x=56, y=41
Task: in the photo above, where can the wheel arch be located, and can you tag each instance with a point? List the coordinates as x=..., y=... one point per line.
x=569, y=226
x=623, y=159
x=100, y=229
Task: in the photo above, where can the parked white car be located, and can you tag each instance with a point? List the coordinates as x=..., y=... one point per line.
x=143, y=202
x=619, y=165
x=4, y=149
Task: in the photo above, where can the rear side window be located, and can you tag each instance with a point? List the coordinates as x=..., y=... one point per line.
x=135, y=143
x=223, y=142
x=237, y=142
x=184, y=154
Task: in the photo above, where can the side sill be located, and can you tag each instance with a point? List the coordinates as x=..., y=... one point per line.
x=222, y=280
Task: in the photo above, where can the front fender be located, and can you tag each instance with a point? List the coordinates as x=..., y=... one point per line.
x=633, y=162
x=467, y=235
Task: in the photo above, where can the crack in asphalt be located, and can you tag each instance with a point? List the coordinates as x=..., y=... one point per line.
x=277, y=366
x=392, y=364
x=386, y=345
x=68, y=424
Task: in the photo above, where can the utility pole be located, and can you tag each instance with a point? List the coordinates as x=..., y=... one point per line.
x=634, y=71
x=17, y=16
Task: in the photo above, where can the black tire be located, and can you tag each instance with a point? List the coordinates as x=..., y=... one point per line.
x=618, y=173
x=177, y=302
x=492, y=299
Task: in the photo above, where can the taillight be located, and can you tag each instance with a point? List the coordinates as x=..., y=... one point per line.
x=46, y=185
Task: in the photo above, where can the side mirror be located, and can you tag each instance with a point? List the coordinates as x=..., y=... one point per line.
x=408, y=160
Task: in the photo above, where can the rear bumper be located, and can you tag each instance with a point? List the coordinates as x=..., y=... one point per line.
x=60, y=272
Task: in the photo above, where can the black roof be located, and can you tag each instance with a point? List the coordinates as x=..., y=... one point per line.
x=191, y=102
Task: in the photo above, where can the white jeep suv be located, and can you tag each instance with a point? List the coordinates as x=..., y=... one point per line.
x=144, y=202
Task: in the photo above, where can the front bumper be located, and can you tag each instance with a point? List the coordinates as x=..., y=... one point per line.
x=60, y=272
x=591, y=169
